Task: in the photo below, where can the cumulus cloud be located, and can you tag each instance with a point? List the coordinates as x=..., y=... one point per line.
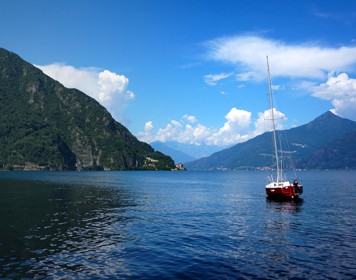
x=110, y=84
x=186, y=130
x=293, y=60
x=182, y=131
x=341, y=91
x=263, y=122
x=146, y=135
x=237, y=128
x=148, y=126
x=213, y=79
x=108, y=88
x=234, y=129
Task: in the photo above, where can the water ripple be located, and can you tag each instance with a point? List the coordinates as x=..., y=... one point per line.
x=207, y=225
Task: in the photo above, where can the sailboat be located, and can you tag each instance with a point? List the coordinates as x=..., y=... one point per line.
x=279, y=187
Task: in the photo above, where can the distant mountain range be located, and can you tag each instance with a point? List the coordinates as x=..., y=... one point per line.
x=184, y=152
x=177, y=156
x=327, y=142
x=44, y=125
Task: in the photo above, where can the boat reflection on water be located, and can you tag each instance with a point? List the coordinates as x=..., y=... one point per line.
x=283, y=215
x=285, y=206
x=283, y=226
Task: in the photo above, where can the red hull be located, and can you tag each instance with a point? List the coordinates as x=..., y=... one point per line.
x=289, y=192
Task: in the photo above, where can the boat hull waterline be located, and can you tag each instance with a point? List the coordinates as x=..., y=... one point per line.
x=284, y=190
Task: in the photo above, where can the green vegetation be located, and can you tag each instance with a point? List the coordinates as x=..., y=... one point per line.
x=44, y=125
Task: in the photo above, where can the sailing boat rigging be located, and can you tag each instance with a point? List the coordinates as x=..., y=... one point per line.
x=280, y=187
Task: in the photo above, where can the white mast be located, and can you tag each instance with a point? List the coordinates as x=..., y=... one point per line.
x=279, y=177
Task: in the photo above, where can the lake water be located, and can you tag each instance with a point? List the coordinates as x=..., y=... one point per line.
x=175, y=225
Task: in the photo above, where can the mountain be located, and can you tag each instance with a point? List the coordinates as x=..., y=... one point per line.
x=194, y=150
x=44, y=125
x=305, y=141
x=340, y=153
x=177, y=156
x=185, y=152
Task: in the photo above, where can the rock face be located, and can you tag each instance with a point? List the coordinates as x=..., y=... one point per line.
x=44, y=125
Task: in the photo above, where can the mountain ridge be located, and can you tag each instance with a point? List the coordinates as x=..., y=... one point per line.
x=305, y=140
x=44, y=125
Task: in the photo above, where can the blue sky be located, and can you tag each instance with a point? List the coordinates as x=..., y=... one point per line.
x=194, y=71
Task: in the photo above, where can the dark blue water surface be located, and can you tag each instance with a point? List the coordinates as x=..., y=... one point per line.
x=175, y=225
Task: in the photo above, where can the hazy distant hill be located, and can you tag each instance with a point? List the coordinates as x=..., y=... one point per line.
x=44, y=125
x=185, y=152
x=177, y=156
x=308, y=143
x=194, y=150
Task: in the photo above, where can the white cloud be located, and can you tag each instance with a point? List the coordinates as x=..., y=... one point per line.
x=236, y=120
x=249, y=76
x=146, y=135
x=213, y=79
x=263, y=123
x=181, y=131
x=186, y=130
x=308, y=64
x=294, y=60
x=304, y=85
x=236, y=129
x=110, y=84
x=84, y=79
x=341, y=91
x=108, y=88
x=191, y=119
x=277, y=87
x=148, y=126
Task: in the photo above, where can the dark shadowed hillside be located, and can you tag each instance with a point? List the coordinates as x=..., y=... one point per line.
x=44, y=125
x=340, y=153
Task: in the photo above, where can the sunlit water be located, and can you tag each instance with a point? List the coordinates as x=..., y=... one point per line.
x=175, y=225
